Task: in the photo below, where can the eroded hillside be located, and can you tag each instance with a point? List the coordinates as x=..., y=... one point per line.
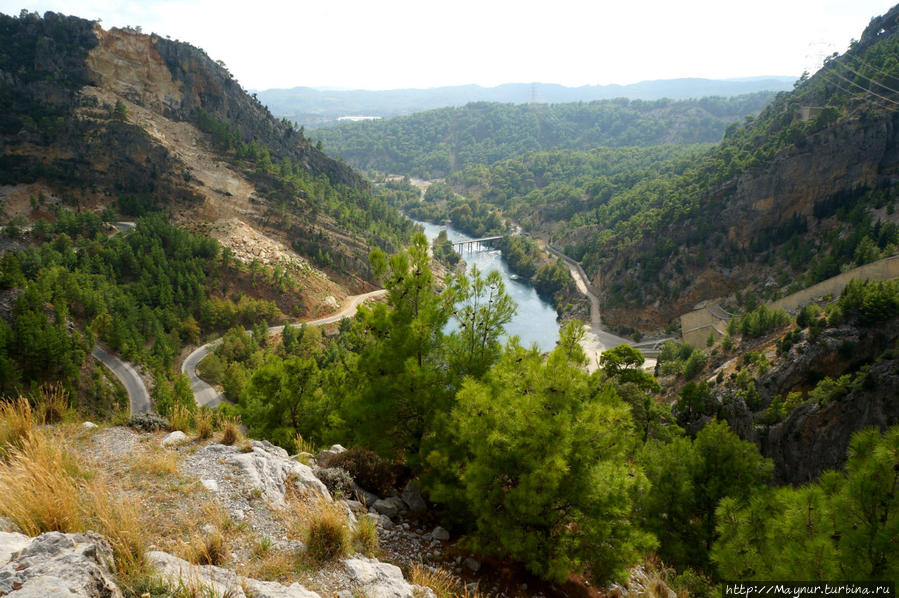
x=137, y=123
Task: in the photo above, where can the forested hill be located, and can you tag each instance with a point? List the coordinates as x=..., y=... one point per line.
x=139, y=123
x=321, y=107
x=438, y=142
x=796, y=195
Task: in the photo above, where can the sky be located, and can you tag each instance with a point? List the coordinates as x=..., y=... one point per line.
x=390, y=44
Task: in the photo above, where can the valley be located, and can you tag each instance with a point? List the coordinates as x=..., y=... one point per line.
x=243, y=356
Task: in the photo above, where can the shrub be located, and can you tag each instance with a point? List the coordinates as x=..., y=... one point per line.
x=368, y=470
x=149, y=422
x=337, y=480
x=53, y=403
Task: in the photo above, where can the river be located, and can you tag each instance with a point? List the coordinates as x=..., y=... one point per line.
x=535, y=320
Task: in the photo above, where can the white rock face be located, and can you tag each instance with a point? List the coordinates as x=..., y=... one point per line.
x=218, y=581
x=267, y=469
x=11, y=543
x=56, y=564
x=174, y=438
x=210, y=485
x=382, y=580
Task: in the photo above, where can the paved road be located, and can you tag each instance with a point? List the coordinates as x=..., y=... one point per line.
x=138, y=397
x=204, y=394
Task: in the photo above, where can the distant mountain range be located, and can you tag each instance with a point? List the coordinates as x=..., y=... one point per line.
x=315, y=107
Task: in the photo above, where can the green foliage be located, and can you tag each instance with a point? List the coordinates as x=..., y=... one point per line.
x=481, y=310
x=843, y=526
x=399, y=386
x=760, y=321
x=437, y=142
x=625, y=364
x=368, y=470
x=682, y=360
x=551, y=278
x=540, y=463
x=688, y=478
x=870, y=301
x=694, y=401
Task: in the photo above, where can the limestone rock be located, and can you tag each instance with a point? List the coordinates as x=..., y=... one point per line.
x=8, y=525
x=413, y=498
x=382, y=580
x=323, y=459
x=175, y=438
x=210, y=485
x=269, y=469
x=57, y=564
x=219, y=581
x=391, y=506
x=440, y=534
x=89, y=425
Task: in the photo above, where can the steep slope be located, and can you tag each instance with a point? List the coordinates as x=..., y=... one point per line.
x=792, y=197
x=135, y=122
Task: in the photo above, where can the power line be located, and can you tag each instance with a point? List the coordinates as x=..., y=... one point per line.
x=851, y=92
x=890, y=89
x=863, y=88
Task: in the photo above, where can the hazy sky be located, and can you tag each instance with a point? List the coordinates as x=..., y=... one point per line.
x=385, y=44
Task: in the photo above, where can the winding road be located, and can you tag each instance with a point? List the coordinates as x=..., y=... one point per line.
x=138, y=397
x=204, y=394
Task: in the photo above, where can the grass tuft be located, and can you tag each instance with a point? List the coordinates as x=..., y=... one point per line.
x=230, y=430
x=43, y=489
x=16, y=424
x=365, y=537
x=181, y=418
x=203, y=419
x=442, y=582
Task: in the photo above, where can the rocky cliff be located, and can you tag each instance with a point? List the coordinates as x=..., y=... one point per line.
x=766, y=206
x=89, y=117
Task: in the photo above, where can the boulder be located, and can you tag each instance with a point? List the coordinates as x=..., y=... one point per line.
x=174, y=438
x=471, y=564
x=375, y=579
x=440, y=534
x=218, y=581
x=391, y=506
x=57, y=564
x=413, y=498
x=268, y=469
x=210, y=485
x=89, y=425
x=323, y=459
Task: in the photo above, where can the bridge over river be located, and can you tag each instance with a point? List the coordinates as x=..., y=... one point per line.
x=475, y=244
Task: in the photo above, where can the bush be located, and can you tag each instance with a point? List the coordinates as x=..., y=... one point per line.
x=370, y=471
x=209, y=549
x=149, y=422
x=230, y=430
x=203, y=420
x=338, y=481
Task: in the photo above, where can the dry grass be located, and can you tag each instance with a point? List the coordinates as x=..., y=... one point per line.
x=207, y=549
x=181, y=418
x=444, y=583
x=43, y=489
x=16, y=424
x=322, y=524
x=365, y=537
x=204, y=421
x=156, y=462
x=303, y=445
x=53, y=403
x=230, y=427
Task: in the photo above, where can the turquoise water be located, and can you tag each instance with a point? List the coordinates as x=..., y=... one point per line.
x=535, y=321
